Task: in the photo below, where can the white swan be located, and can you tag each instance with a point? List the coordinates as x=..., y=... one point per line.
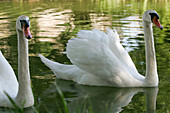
x=99, y=59
x=20, y=91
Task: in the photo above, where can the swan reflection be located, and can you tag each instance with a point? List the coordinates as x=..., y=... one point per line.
x=96, y=99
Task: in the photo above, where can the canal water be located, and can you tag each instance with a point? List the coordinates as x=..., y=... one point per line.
x=54, y=22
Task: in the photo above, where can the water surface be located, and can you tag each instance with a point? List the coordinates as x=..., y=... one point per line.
x=54, y=22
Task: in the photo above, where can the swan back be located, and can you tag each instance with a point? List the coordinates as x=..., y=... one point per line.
x=91, y=52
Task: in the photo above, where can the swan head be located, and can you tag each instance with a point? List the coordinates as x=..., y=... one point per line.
x=152, y=16
x=23, y=24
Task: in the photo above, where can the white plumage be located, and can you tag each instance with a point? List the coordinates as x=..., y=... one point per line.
x=95, y=60
x=8, y=82
x=20, y=91
x=99, y=59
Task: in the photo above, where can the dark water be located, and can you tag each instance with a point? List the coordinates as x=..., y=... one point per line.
x=54, y=22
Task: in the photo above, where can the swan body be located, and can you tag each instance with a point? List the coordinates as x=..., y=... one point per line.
x=7, y=74
x=99, y=58
x=20, y=91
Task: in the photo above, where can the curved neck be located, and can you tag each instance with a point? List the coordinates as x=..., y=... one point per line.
x=25, y=92
x=151, y=66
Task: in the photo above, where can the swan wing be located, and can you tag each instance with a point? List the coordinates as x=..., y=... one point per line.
x=91, y=52
x=122, y=55
x=8, y=79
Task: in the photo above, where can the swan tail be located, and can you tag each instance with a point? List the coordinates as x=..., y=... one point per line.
x=49, y=63
x=62, y=71
x=72, y=72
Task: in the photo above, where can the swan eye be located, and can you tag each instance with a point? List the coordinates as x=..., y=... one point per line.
x=154, y=15
x=24, y=23
x=155, y=20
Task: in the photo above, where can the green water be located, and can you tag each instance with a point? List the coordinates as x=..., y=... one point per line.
x=54, y=22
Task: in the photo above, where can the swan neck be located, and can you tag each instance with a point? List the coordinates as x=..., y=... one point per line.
x=151, y=66
x=25, y=92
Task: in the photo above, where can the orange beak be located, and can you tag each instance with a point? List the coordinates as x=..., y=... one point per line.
x=27, y=32
x=157, y=23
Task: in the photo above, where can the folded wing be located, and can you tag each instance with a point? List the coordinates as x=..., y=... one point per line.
x=91, y=52
x=8, y=79
x=122, y=55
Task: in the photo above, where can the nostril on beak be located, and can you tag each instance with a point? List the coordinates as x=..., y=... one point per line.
x=29, y=37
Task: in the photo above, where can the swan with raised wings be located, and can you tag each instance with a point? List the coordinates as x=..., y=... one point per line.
x=19, y=90
x=99, y=59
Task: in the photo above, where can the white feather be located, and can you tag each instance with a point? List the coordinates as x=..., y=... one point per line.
x=94, y=53
x=99, y=59
x=7, y=77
